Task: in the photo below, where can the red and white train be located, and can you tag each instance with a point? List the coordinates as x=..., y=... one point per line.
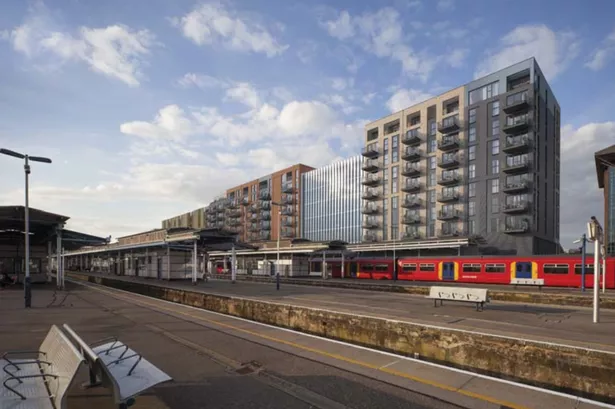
x=550, y=271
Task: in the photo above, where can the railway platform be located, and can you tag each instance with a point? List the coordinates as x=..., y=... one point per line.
x=568, y=325
x=219, y=361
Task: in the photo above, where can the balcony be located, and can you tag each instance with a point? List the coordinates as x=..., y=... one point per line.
x=234, y=213
x=521, y=166
x=287, y=188
x=371, y=166
x=221, y=216
x=264, y=205
x=245, y=201
x=288, y=234
x=410, y=218
x=448, y=143
x=255, y=228
x=372, y=179
x=516, y=124
x=232, y=204
x=517, y=103
x=411, y=170
x=370, y=224
x=448, y=215
x=411, y=187
x=288, y=222
x=264, y=235
x=449, y=125
x=287, y=211
x=264, y=195
x=448, y=197
x=516, y=187
x=411, y=235
x=370, y=152
x=254, y=216
x=288, y=199
x=412, y=137
x=265, y=215
x=234, y=222
x=370, y=237
x=370, y=194
x=370, y=209
x=449, y=232
x=517, y=227
x=449, y=180
x=516, y=144
x=411, y=154
x=265, y=226
x=517, y=207
x=411, y=203
x=449, y=162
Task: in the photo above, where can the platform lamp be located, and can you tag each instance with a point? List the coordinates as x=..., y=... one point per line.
x=595, y=232
x=27, y=159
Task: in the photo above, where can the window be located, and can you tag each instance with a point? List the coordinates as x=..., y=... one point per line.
x=472, y=190
x=395, y=149
x=472, y=133
x=381, y=267
x=431, y=181
x=471, y=208
x=408, y=268
x=589, y=269
x=495, y=128
x=495, y=268
x=427, y=267
x=495, y=108
x=495, y=147
x=471, y=268
x=472, y=171
x=394, y=179
x=495, y=204
x=472, y=152
x=472, y=118
x=495, y=185
x=556, y=268
x=495, y=166
x=386, y=151
x=485, y=92
x=432, y=162
x=471, y=227
x=367, y=267
x=387, y=187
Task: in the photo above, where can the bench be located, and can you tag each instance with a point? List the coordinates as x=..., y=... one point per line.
x=479, y=296
x=113, y=364
x=39, y=379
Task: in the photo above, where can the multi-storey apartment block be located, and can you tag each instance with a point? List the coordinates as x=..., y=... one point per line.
x=479, y=160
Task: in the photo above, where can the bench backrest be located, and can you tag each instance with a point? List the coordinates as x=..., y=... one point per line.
x=65, y=360
x=89, y=355
x=459, y=293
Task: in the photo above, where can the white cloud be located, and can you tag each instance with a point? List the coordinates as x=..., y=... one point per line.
x=244, y=93
x=457, y=57
x=301, y=118
x=340, y=84
x=580, y=196
x=381, y=34
x=116, y=51
x=445, y=5
x=601, y=56
x=171, y=123
x=201, y=81
x=212, y=23
x=405, y=98
x=553, y=50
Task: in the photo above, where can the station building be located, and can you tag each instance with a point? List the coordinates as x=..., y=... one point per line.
x=605, y=170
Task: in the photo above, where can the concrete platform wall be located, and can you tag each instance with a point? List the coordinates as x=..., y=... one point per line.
x=574, y=370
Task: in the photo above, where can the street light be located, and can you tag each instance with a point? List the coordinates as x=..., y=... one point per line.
x=277, y=266
x=582, y=240
x=594, y=230
x=26, y=283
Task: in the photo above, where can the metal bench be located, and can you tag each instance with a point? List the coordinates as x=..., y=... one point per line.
x=113, y=364
x=39, y=379
x=479, y=296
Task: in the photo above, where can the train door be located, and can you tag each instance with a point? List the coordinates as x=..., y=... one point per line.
x=159, y=268
x=354, y=267
x=136, y=267
x=448, y=271
x=523, y=269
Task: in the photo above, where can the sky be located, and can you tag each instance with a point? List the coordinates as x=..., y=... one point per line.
x=151, y=108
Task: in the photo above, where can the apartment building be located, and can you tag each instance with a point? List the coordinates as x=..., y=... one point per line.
x=481, y=160
x=193, y=220
x=331, y=205
x=259, y=209
x=605, y=170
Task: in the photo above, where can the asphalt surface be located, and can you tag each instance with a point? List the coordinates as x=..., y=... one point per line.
x=210, y=368
x=564, y=325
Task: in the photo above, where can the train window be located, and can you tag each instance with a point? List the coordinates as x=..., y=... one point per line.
x=381, y=267
x=406, y=268
x=556, y=268
x=495, y=268
x=589, y=269
x=367, y=267
x=471, y=268
x=427, y=267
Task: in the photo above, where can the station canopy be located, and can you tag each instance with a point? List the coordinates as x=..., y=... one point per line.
x=42, y=229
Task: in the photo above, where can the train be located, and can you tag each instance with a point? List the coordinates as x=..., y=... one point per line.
x=548, y=271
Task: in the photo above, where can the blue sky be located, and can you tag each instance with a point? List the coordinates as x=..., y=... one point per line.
x=150, y=108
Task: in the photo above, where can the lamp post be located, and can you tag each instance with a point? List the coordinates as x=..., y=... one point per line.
x=595, y=233
x=27, y=159
x=583, y=240
x=277, y=266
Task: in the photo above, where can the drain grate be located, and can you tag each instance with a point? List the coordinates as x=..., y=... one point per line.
x=248, y=368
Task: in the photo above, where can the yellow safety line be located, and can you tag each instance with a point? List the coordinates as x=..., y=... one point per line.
x=330, y=355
